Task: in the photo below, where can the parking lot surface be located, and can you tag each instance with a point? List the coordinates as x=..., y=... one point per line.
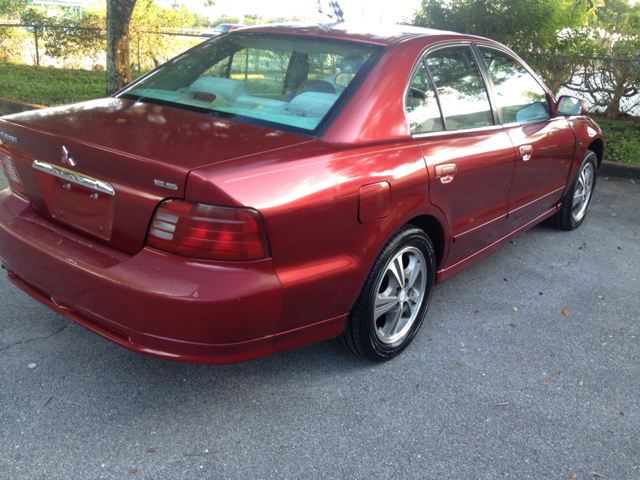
x=499, y=383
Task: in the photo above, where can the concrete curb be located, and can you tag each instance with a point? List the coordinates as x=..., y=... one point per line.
x=10, y=105
x=620, y=170
x=608, y=169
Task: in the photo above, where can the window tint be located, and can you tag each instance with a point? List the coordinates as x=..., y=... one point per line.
x=461, y=90
x=279, y=81
x=519, y=95
x=421, y=105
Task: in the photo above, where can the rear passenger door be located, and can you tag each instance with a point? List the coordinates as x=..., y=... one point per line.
x=469, y=156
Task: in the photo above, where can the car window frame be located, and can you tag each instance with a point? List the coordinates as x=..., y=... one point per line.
x=488, y=87
x=551, y=100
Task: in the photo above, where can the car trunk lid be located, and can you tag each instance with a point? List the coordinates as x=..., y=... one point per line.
x=102, y=167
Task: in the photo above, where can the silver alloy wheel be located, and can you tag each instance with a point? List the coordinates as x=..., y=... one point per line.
x=400, y=293
x=582, y=192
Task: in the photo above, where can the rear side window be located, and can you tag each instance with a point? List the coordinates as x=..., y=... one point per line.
x=518, y=94
x=421, y=105
x=461, y=90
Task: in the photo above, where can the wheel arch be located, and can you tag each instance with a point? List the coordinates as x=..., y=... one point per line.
x=432, y=227
x=597, y=147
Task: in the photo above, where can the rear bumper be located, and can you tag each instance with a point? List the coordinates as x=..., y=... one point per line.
x=152, y=303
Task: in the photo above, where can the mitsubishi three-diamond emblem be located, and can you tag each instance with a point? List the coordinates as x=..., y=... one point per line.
x=66, y=159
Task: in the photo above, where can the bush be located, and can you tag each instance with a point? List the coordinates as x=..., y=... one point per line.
x=622, y=139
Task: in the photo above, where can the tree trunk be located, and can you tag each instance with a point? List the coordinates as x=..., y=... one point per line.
x=619, y=78
x=118, y=65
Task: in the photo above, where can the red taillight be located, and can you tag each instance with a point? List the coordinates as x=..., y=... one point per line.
x=8, y=165
x=208, y=232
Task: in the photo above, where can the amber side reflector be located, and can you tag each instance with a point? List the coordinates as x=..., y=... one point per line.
x=8, y=166
x=208, y=232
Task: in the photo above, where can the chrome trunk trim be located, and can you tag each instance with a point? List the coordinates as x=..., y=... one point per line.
x=74, y=177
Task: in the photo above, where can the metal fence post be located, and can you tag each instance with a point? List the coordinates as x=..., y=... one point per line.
x=35, y=31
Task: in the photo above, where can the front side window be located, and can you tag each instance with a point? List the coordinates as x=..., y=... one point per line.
x=280, y=81
x=461, y=90
x=518, y=94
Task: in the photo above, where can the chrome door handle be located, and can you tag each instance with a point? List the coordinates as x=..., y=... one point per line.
x=446, y=172
x=446, y=169
x=526, y=151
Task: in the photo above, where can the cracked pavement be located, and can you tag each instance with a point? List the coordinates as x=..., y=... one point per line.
x=483, y=392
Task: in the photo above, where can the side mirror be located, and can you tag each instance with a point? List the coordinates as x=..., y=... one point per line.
x=343, y=79
x=571, y=106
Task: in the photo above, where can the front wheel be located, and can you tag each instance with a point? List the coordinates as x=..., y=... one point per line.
x=394, y=299
x=575, y=203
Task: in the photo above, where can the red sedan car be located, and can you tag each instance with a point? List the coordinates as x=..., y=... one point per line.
x=281, y=185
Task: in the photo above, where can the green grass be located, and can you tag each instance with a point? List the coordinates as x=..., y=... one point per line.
x=50, y=86
x=622, y=140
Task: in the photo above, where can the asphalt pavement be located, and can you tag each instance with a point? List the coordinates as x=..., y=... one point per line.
x=485, y=391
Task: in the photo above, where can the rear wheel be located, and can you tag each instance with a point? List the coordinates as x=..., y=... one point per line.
x=575, y=203
x=394, y=299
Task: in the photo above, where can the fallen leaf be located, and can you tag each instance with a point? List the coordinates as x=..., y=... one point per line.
x=506, y=280
x=601, y=297
x=565, y=311
x=553, y=355
x=133, y=471
x=573, y=475
x=544, y=383
x=477, y=311
x=619, y=248
x=580, y=383
x=621, y=413
x=514, y=308
x=462, y=344
x=151, y=450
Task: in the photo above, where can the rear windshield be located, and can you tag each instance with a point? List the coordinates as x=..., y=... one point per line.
x=287, y=82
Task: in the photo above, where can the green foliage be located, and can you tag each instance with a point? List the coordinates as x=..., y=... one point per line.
x=251, y=19
x=623, y=140
x=148, y=48
x=12, y=44
x=50, y=86
x=12, y=6
x=523, y=25
x=225, y=19
x=70, y=38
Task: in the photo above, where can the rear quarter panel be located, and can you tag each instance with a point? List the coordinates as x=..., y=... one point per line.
x=308, y=196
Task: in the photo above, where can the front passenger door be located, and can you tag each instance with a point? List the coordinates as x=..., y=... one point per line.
x=544, y=146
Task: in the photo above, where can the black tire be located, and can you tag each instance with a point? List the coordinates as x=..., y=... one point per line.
x=571, y=214
x=379, y=336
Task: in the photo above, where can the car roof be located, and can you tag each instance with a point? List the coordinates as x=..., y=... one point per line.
x=382, y=34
